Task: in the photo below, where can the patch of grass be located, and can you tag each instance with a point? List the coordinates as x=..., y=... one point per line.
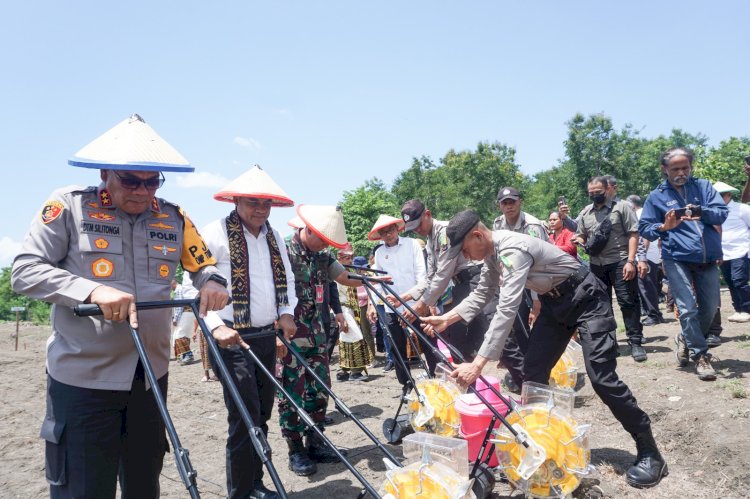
x=739, y=413
x=735, y=387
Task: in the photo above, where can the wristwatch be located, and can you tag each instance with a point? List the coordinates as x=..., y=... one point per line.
x=218, y=278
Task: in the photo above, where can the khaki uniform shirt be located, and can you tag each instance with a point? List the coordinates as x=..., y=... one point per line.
x=522, y=262
x=80, y=242
x=624, y=221
x=526, y=224
x=440, y=268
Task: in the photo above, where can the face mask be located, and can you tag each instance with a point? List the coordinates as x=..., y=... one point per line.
x=598, y=198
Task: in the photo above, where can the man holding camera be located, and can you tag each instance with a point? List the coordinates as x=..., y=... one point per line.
x=608, y=230
x=683, y=212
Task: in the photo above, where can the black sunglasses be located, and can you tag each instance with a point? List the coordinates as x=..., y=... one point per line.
x=133, y=183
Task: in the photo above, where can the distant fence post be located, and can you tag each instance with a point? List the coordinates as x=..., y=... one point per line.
x=18, y=311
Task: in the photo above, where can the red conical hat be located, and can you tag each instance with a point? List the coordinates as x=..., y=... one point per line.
x=254, y=183
x=383, y=222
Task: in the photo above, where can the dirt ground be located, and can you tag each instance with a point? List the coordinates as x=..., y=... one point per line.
x=703, y=428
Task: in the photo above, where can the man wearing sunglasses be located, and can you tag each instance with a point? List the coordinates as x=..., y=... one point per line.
x=110, y=245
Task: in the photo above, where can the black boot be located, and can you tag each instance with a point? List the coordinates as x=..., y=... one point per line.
x=299, y=462
x=649, y=467
x=261, y=492
x=638, y=352
x=318, y=449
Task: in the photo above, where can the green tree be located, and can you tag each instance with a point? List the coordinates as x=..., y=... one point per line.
x=462, y=179
x=36, y=311
x=362, y=207
x=725, y=162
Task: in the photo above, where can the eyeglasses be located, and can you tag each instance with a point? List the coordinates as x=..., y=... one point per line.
x=134, y=183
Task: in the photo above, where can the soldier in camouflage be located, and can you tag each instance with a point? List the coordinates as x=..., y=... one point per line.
x=314, y=268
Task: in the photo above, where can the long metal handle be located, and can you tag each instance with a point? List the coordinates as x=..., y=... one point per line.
x=181, y=454
x=442, y=356
x=336, y=400
x=257, y=437
x=311, y=424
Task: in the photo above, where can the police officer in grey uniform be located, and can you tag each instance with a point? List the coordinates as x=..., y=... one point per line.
x=440, y=271
x=513, y=218
x=571, y=298
x=109, y=245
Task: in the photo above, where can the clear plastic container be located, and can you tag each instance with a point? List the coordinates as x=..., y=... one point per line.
x=451, y=452
x=534, y=393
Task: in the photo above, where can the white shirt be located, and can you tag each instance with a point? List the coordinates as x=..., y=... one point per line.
x=263, y=309
x=404, y=262
x=735, y=232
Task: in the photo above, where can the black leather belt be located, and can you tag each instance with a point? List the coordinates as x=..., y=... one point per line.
x=569, y=284
x=467, y=274
x=252, y=330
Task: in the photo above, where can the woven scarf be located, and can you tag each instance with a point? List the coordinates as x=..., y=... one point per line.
x=241, y=279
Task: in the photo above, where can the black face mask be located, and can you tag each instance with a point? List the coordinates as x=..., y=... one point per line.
x=598, y=198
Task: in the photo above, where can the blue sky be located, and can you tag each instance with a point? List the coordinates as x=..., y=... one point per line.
x=324, y=95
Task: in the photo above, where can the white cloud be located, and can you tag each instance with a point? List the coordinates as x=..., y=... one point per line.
x=247, y=142
x=8, y=250
x=201, y=179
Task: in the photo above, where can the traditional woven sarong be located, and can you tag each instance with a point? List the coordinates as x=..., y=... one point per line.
x=181, y=346
x=204, y=353
x=354, y=355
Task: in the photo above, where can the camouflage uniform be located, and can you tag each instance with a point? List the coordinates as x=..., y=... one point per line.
x=312, y=274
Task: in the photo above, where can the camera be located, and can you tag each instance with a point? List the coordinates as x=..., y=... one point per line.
x=561, y=201
x=690, y=211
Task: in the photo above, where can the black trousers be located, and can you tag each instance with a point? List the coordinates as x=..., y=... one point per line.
x=93, y=437
x=587, y=308
x=243, y=465
x=627, y=297
x=649, y=291
x=467, y=338
x=398, y=334
x=517, y=344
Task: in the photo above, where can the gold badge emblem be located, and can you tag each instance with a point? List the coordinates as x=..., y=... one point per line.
x=98, y=215
x=101, y=243
x=161, y=225
x=164, y=270
x=102, y=268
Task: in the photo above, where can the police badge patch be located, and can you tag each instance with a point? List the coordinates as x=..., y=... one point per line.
x=51, y=211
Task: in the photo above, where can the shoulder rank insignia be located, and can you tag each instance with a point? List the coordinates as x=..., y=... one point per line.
x=161, y=225
x=104, y=198
x=51, y=211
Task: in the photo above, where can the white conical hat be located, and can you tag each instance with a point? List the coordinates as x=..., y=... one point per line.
x=326, y=222
x=131, y=145
x=296, y=223
x=721, y=188
x=382, y=222
x=254, y=183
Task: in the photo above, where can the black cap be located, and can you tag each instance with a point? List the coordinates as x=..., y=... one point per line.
x=458, y=227
x=412, y=212
x=508, y=193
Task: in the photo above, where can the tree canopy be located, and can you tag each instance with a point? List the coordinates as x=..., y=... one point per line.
x=593, y=146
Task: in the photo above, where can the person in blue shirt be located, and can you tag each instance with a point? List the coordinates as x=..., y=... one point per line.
x=686, y=214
